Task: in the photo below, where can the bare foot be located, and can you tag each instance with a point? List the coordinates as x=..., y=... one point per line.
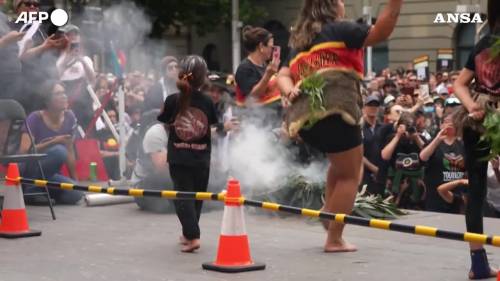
x=183, y=240
x=191, y=246
x=493, y=273
x=339, y=247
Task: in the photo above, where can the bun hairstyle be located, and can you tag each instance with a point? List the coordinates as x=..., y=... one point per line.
x=192, y=75
x=253, y=36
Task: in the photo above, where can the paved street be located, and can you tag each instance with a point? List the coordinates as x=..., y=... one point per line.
x=122, y=243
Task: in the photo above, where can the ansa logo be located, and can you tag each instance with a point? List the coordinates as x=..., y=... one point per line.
x=458, y=18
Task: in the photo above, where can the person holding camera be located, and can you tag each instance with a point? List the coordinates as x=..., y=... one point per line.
x=401, y=151
x=444, y=159
x=76, y=70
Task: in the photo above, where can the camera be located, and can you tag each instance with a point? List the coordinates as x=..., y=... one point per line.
x=412, y=130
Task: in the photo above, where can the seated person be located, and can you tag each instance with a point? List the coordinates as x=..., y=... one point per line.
x=53, y=130
x=108, y=147
x=151, y=169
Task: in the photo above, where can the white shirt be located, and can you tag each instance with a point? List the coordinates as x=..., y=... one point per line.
x=75, y=70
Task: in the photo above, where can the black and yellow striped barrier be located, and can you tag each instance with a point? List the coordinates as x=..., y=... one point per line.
x=341, y=218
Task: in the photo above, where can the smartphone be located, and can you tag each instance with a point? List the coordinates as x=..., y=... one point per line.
x=424, y=91
x=58, y=34
x=276, y=52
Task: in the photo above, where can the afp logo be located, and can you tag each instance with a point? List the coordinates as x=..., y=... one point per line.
x=58, y=17
x=458, y=18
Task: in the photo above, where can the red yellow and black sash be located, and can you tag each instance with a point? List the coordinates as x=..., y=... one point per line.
x=328, y=55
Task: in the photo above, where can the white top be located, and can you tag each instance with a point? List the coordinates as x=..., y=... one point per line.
x=75, y=70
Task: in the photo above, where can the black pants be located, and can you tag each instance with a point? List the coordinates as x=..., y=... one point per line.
x=192, y=179
x=477, y=171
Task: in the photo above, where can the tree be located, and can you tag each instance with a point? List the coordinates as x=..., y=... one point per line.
x=204, y=15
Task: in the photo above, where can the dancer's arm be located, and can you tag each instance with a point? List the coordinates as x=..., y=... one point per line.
x=462, y=92
x=286, y=85
x=385, y=24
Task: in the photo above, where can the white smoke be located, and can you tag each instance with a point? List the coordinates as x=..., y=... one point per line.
x=259, y=161
x=128, y=26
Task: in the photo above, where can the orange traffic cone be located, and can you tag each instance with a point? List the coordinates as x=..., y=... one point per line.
x=233, y=254
x=14, y=222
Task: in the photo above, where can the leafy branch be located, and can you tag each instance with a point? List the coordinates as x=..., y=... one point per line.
x=312, y=86
x=492, y=133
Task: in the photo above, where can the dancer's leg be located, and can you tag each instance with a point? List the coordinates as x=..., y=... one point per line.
x=347, y=175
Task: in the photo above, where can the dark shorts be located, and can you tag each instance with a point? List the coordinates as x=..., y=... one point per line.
x=332, y=134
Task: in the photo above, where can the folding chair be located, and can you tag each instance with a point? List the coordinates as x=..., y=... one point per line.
x=12, y=120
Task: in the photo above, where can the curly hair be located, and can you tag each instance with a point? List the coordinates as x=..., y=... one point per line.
x=313, y=15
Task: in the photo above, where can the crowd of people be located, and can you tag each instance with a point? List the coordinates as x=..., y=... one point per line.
x=400, y=127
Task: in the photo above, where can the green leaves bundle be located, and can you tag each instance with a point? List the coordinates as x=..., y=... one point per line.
x=312, y=86
x=492, y=132
x=299, y=192
x=495, y=48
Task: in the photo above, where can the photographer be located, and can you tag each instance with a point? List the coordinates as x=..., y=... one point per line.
x=401, y=150
x=76, y=70
x=444, y=158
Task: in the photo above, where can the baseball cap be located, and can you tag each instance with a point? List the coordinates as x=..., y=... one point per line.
x=70, y=28
x=389, y=99
x=372, y=100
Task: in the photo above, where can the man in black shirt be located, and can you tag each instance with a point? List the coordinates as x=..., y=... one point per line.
x=370, y=128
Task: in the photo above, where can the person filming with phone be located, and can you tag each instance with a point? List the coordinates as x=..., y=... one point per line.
x=76, y=70
x=256, y=84
x=444, y=159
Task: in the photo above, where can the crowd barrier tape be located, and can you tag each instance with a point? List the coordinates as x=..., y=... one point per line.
x=341, y=218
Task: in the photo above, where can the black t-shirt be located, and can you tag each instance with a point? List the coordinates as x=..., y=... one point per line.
x=370, y=150
x=405, y=146
x=486, y=70
x=380, y=140
x=189, y=141
x=248, y=75
x=445, y=165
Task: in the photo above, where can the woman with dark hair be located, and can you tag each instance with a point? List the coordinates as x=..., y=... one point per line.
x=483, y=67
x=255, y=77
x=188, y=116
x=324, y=43
x=53, y=130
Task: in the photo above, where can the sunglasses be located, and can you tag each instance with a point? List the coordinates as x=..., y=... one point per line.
x=31, y=4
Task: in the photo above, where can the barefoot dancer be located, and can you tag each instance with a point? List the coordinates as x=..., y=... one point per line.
x=188, y=117
x=485, y=69
x=323, y=42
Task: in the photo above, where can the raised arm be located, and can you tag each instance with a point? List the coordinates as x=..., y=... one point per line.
x=385, y=24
